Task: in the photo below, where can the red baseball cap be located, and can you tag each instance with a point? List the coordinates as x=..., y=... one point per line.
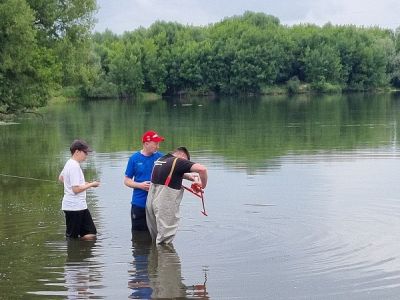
x=152, y=136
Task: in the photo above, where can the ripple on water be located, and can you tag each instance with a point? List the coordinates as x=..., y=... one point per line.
x=335, y=252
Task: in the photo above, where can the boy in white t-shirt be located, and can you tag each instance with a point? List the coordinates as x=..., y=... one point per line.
x=78, y=219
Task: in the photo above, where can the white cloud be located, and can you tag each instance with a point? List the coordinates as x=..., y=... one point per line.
x=357, y=12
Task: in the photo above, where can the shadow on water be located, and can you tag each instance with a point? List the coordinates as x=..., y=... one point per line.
x=156, y=272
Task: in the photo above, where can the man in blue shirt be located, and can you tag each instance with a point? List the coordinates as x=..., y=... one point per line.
x=138, y=175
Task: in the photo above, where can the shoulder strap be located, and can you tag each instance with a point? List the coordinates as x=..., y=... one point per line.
x=170, y=172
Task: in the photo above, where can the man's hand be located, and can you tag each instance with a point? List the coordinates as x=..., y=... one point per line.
x=196, y=187
x=145, y=185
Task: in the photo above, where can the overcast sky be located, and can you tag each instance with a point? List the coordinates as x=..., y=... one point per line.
x=127, y=15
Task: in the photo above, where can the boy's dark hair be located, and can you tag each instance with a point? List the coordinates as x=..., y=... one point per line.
x=184, y=150
x=80, y=145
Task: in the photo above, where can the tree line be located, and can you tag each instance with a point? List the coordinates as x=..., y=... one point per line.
x=251, y=53
x=46, y=46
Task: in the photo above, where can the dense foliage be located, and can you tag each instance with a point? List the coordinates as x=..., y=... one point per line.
x=246, y=54
x=44, y=45
x=47, y=46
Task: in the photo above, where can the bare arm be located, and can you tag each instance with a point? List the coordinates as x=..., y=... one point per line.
x=80, y=188
x=202, y=170
x=145, y=185
x=191, y=176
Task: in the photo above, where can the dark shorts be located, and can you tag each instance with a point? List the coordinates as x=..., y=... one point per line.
x=79, y=223
x=138, y=217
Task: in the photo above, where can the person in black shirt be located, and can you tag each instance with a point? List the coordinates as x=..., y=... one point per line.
x=166, y=192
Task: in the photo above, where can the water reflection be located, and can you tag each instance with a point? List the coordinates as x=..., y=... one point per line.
x=156, y=272
x=82, y=277
x=139, y=281
x=70, y=271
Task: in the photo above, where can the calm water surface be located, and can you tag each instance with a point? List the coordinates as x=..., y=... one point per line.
x=303, y=201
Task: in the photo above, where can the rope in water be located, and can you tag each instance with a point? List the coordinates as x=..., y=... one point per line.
x=29, y=178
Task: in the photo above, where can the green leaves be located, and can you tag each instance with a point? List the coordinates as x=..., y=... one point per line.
x=43, y=44
x=22, y=76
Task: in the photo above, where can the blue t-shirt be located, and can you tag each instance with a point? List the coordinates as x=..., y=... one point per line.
x=139, y=168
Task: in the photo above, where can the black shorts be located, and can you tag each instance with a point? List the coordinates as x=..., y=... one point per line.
x=138, y=217
x=79, y=223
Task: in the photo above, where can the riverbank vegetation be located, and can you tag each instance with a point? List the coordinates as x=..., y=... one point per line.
x=47, y=47
x=252, y=53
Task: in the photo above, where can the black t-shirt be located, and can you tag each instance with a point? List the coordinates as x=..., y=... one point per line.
x=162, y=168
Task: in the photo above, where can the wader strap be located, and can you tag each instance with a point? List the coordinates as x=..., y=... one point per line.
x=170, y=173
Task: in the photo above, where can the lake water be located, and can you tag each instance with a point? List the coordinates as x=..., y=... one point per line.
x=303, y=201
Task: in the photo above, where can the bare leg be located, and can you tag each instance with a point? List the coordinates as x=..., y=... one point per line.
x=88, y=237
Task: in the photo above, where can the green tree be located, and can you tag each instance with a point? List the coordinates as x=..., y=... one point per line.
x=244, y=54
x=322, y=64
x=25, y=68
x=44, y=44
x=394, y=64
x=64, y=28
x=126, y=69
x=154, y=71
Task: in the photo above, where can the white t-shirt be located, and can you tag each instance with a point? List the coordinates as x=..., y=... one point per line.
x=73, y=176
